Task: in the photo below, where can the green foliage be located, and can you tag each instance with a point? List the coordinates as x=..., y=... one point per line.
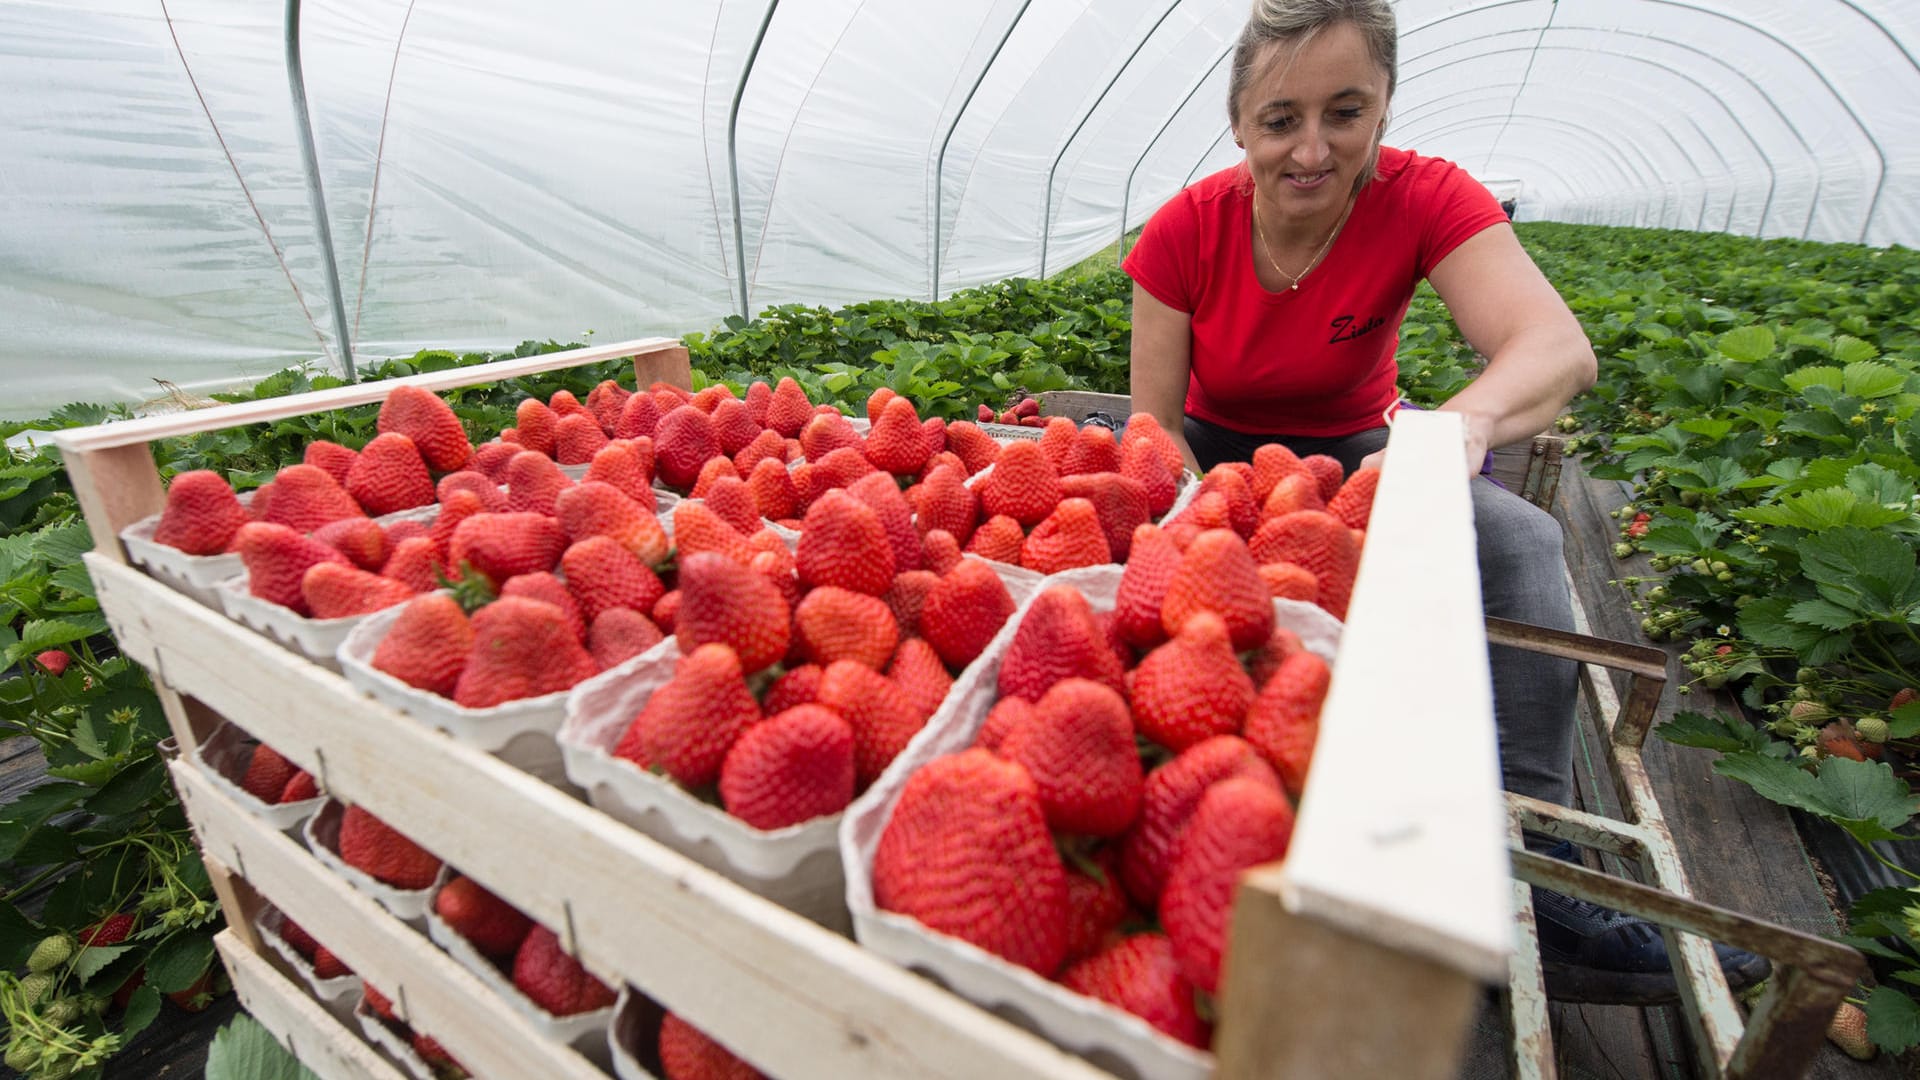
x=244, y=1050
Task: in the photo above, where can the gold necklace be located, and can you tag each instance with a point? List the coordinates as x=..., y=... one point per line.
x=1294, y=279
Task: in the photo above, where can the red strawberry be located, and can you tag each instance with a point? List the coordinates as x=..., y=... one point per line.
x=686, y=1053
x=697, y=528
x=1140, y=975
x=337, y=460
x=111, y=930
x=1266, y=660
x=883, y=718
x=771, y=486
x=843, y=543
x=490, y=459
x=733, y=426
x=556, y=982
x=716, y=468
x=826, y=432
x=494, y=926
x=1284, y=721
x=1024, y=485
x=390, y=476
x=415, y=563
x=967, y=852
x=766, y=446
x=1192, y=687
x=267, y=774
x=597, y=509
x=1239, y=824
x=521, y=649
x=666, y=609
x=428, y=644
x=945, y=502
x=974, y=447
x=732, y=501
x=1321, y=543
x=688, y=725
x=1057, y=438
x=379, y=850
x=434, y=1054
x=53, y=661
x=359, y=539
x=789, y=768
x=277, y=558
x=305, y=498
x=620, y=634
x=839, y=468
x=300, y=788
x=429, y=423
x=1145, y=427
x=458, y=505
x=1057, y=639
x=832, y=624
x=1327, y=471
x=921, y=675
x=1069, y=537
x=1171, y=793
x=548, y=588
x=998, y=538
x=940, y=552
x=1140, y=461
x=606, y=401
x=1119, y=501
x=683, y=440
x=378, y=1003
x=743, y=611
x=502, y=546
x=301, y=941
x=1218, y=574
x=799, y=686
x=1143, y=587
x=1093, y=451
x=759, y=398
x=564, y=404
x=896, y=443
x=537, y=425
x=1295, y=491
x=986, y=414
x=964, y=611
x=533, y=483
x=576, y=438
x=622, y=464
x=1273, y=462
x=341, y=590
x=328, y=966
x=1289, y=582
x=1243, y=514
x=639, y=415
x=882, y=496
x=788, y=410
x=1353, y=503
x=1078, y=747
x=202, y=514
x=1096, y=901
x=710, y=398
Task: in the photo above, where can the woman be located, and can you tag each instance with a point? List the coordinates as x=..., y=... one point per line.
x=1267, y=304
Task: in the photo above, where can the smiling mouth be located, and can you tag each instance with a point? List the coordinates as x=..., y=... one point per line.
x=1308, y=179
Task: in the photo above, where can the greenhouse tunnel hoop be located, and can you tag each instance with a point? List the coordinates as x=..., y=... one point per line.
x=733, y=156
x=379, y=160
x=1126, y=192
x=1610, y=152
x=309, y=155
x=940, y=162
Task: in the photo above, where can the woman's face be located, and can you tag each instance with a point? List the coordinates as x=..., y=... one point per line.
x=1309, y=118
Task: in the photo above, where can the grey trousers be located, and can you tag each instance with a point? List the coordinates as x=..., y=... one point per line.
x=1522, y=578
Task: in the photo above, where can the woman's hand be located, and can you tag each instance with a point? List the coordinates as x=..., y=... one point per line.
x=1474, y=436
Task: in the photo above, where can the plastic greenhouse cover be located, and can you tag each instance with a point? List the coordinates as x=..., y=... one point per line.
x=495, y=171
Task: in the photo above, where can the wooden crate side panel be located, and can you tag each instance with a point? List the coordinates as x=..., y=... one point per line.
x=307, y=1030
x=779, y=989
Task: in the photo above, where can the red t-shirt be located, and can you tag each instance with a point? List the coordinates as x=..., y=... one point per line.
x=1316, y=361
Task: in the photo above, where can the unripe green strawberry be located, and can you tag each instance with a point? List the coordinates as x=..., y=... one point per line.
x=36, y=986
x=23, y=1053
x=61, y=1013
x=52, y=951
x=1874, y=729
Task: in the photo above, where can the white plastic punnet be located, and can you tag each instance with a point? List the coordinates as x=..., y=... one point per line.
x=322, y=835
x=227, y=754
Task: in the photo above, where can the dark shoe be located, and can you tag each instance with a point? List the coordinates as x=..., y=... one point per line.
x=1595, y=955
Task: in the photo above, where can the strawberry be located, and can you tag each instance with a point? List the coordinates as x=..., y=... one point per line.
x=620, y=634
x=1295, y=491
x=1145, y=427
x=759, y=398
x=1321, y=543
x=966, y=852
x=933, y=430
x=404, y=529
x=697, y=528
x=1243, y=513
x=1058, y=435
x=305, y=498
x=843, y=543
x=360, y=539
x=715, y=468
x=502, y=546
x=945, y=502
x=907, y=597
x=896, y=443
x=1192, y=687
x=882, y=495
x=974, y=447
x=832, y=624
x=884, y=719
x=686, y=1053
x=564, y=404
x=1217, y=574
x=778, y=567
x=300, y=788
x=1239, y=824
x=534, y=482
x=1006, y=714
x=999, y=539
x=1289, y=582
x=428, y=644
x=622, y=464
x=789, y=768
x=593, y=508
x=1273, y=462
x=390, y=476
x=521, y=649
x=1141, y=463
x=490, y=459
x=494, y=926
x=267, y=774
x=733, y=426
x=1264, y=661
x=111, y=930
x=277, y=558
x=202, y=514
x=666, y=609
x=1139, y=974
x=342, y=590
x=788, y=410
x=1069, y=537
x=1057, y=639
x=826, y=432
x=1353, y=503
x=1119, y=501
x=1207, y=510
x=940, y=552
x=985, y=414
x=606, y=401
x=798, y=686
x=921, y=675
x=683, y=440
x=435, y=1055
x=771, y=486
x=602, y=575
x=1096, y=901
x=415, y=563
x=1024, y=485
x=1171, y=792
x=377, y=849
x=554, y=981
x=1093, y=451
x=743, y=611
x=1327, y=471
x=639, y=416
x=964, y=611
x=378, y=1003
x=768, y=445
x=429, y=423
x=53, y=661
x=1143, y=587
x=838, y=468
x=1078, y=747
x=576, y=438
x=458, y=505
x=548, y=588
x=537, y=425
x=325, y=454
x=688, y=725
x=1284, y=720
x=326, y=965
x=297, y=937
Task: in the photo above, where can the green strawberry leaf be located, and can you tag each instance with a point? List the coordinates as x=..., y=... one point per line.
x=246, y=1050
x=179, y=961
x=93, y=959
x=1720, y=732
x=1893, y=1019
x=1863, y=797
x=143, y=1005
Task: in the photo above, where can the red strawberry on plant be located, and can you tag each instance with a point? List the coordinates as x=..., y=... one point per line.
x=1024, y=484
x=788, y=410
x=998, y=538
x=1069, y=537
x=337, y=460
x=428, y=644
x=521, y=649
x=202, y=514
x=832, y=624
x=503, y=546
x=843, y=543
x=534, y=482
x=379, y=850
x=744, y=611
x=1140, y=975
x=964, y=611
x=429, y=423
x=390, y=476
x=967, y=852
x=1319, y=542
x=548, y=588
x=277, y=558
x=1192, y=687
x=881, y=715
x=305, y=498
x=1239, y=824
x=596, y=509
x=1172, y=792
x=688, y=725
x=1078, y=747
x=1057, y=639
x=555, y=981
x=789, y=768
x=620, y=634
x=683, y=440
x=340, y=590
x=1353, y=503
x=1284, y=721
x=267, y=774
x=53, y=661
x=494, y=926
x=687, y=1053
x=1217, y=573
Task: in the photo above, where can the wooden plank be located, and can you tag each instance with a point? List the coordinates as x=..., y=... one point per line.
x=116, y=486
x=672, y=366
x=307, y=1030
x=783, y=992
x=432, y=991
x=131, y=433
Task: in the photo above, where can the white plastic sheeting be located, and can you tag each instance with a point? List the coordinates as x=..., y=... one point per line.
x=496, y=171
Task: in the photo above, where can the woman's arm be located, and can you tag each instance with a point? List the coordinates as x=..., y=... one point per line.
x=1162, y=349
x=1538, y=355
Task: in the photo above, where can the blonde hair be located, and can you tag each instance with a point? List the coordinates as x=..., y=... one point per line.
x=1297, y=21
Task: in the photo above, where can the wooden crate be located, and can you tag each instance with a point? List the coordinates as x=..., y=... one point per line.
x=1336, y=967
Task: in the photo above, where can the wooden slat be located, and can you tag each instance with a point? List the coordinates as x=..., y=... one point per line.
x=783, y=992
x=116, y=486
x=307, y=1030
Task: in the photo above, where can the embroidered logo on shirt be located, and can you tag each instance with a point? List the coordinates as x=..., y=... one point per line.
x=1345, y=330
